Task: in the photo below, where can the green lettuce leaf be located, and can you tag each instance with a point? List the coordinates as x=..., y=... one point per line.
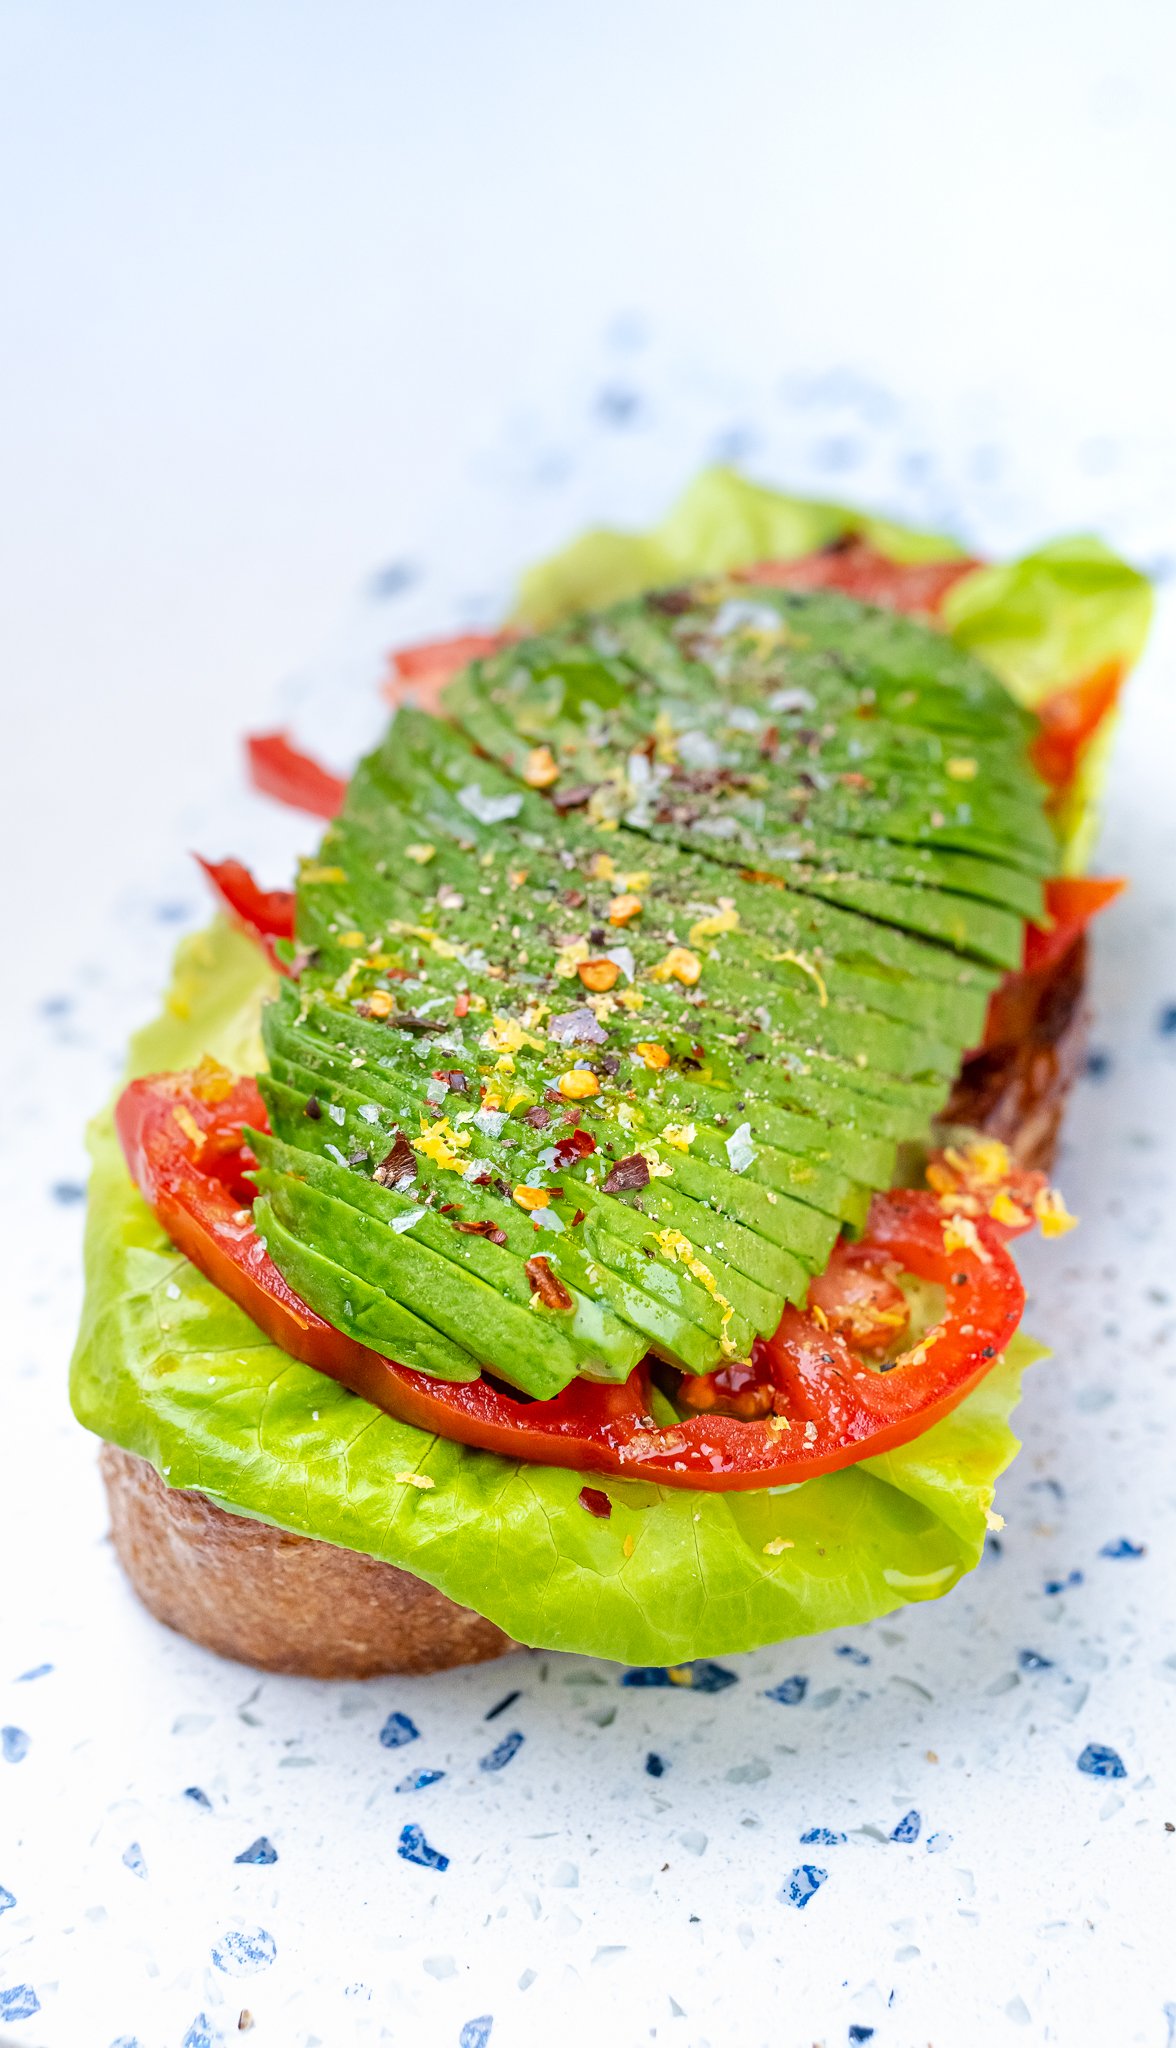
x=1051, y=617
x=169, y=1368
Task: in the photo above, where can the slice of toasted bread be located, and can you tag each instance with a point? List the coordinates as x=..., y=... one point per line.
x=295, y=1604
x=286, y=1603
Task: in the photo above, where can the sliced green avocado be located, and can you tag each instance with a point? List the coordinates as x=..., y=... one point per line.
x=801, y=834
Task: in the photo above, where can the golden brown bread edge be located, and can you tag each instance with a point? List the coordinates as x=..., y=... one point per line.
x=295, y=1604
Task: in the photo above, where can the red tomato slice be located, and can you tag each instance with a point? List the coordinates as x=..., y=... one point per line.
x=266, y=914
x=426, y=668
x=860, y=571
x=277, y=769
x=1069, y=720
x=1071, y=901
x=183, y=1140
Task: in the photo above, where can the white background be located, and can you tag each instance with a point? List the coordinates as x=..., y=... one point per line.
x=296, y=294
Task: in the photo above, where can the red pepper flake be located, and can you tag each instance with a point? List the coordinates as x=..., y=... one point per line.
x=578, y=1218
x=453, y=1078
x=627, y=1175
x=462, y=1004
x=572, y=799
x=596, y=1502
x=572, y=1147
x=493, y=1231
x=538, y=1116
x=399, y=1166
x=546, y=1284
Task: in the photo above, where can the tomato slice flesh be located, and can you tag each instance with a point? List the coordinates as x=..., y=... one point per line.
x=182, y=1135
x=266, y=914
x=857, y=569
x=278, y=769
x=426, y=668
x=1069, y=720
x=1071, y=901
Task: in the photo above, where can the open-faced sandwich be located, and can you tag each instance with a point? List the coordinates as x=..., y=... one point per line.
x=579, y=1213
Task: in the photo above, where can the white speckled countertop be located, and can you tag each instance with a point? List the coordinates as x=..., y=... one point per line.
x=951, y=1828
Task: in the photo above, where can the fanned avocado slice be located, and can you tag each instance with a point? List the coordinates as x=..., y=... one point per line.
x=645, y=959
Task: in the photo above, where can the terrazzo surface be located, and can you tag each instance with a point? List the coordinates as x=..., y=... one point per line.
x=953, y=1826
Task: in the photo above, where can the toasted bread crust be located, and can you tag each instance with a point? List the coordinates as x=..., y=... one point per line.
x=285, y=1603
x=295, y=1604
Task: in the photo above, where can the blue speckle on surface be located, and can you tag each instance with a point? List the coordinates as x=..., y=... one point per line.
x=127, y=2041
x=702, y=1676
x=68, y=1192
x=38, y=1671
x=501, y=1706
x=242, y=1951
x=1074, y=1578
x=857, y=2034
x=800, y=1884
x=392, y=580
x=261, y=1851
x=502, y=1752
x=1032, y=1660
x=790, y=1691
x=132, y=1856
x=617, y=406
x=1122, y=1546
x=397, y=1730
x=6, y=1899
x=1167, y=1023
x=172, y=913
x=19, y=2002
x=416, y=1781
x=200, y=2034
x=655, y=1764
x=909, y=1828
x=851, y=1651
x=1099, y=1760
x=14, y=1745
x=414, y=1849
x=938, y=1842
x=821, y=1838
x=198, y=1797
x=1098, y=1064
x=476, y=2033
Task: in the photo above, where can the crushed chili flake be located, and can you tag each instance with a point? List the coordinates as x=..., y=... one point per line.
x=313, y=1109
x=399, y=1166
x=578, y=1218
x=596, y=1502
x=574, y=798
x=572, y=1146
x=493, y=1231
x=546, y=1284
x=628, y=1175
x=598, y=976
x=453, y=1078
x=461, y=1004
x=379, y=1004
x=538, y=1116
